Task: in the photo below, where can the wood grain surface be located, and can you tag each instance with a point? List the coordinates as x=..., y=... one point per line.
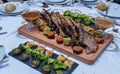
x=87, y=58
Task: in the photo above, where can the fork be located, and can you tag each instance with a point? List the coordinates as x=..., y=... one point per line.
x=4, y=60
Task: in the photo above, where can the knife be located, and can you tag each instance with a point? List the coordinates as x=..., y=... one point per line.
x=3, y=33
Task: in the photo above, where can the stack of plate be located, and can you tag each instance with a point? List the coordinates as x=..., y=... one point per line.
x=89, y=2
x=20, y=8
x=56, y=1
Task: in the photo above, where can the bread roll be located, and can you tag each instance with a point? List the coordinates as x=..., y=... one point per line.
x=101, y=6
x=10, y=7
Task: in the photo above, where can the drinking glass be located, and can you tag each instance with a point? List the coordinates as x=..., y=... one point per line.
x=103, y=23
x=71, y=2
x=30, y=17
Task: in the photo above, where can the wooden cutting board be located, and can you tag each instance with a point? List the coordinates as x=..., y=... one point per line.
x=87, y=58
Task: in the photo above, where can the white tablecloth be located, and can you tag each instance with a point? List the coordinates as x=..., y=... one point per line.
x=107, y=63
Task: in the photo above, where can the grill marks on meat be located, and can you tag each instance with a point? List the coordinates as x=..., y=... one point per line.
x=72, y=29
x=56, y=20
x=80, y=33
x=66, y=27
x=91, y=44
x=47, y=17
